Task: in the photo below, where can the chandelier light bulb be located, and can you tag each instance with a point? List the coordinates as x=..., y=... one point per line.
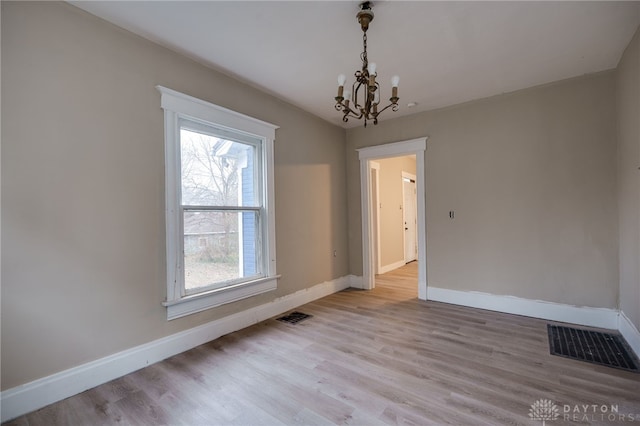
x=395, y=80
x=341, y=79
x=371, y=68
x=347, y=95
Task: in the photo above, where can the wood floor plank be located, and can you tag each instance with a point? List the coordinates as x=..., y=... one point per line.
x=379, y=357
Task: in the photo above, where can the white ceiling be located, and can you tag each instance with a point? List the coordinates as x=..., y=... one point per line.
x=445, y=52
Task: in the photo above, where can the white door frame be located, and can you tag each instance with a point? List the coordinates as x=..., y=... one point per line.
x=375, y=226
x=415, y=147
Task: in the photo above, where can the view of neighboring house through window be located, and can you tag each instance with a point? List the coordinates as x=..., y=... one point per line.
x=219, y=205
x=221, y=208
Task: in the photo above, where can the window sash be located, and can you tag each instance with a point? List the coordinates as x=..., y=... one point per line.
x=259, y=187
x=259, y=249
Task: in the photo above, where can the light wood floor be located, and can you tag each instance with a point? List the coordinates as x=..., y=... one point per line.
x=365, y=358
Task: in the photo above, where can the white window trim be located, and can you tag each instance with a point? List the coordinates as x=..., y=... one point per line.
x=176, y=105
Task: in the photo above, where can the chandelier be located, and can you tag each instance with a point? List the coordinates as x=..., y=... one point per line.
x=363, y=100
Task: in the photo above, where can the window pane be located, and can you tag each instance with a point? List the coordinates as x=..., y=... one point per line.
x=220, y=246
x=216, y=171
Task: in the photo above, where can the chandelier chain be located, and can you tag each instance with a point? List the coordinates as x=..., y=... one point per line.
x=363, y=56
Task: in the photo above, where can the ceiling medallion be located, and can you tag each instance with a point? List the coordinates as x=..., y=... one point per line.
x=362, y=101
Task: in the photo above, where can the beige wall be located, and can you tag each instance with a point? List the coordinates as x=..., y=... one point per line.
x=628, y=109
x=83, y=269
x=391, y=237
x=532, y=178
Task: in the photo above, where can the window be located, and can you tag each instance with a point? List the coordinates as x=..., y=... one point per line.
x=219, y=205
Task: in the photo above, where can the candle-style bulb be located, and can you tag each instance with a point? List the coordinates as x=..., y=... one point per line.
x=341, y=79
x=395, y=80
x=371, y=68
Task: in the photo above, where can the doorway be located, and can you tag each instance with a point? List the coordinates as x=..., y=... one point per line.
x=368, y=155
x=393, y=212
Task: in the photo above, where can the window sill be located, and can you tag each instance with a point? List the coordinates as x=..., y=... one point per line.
x=191, y=304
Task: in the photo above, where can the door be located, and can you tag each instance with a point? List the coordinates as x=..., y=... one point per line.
x=410, y=217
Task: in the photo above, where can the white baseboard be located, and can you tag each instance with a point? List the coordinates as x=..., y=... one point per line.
x=630, y=333
x=31, y=396
x=390, y=267
x=582, y=315
x=356, y=282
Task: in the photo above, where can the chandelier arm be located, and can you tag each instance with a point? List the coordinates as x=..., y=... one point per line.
x=351, y=114
x=348, y=112
x=354, y=114
x=377, y=90
x=369, y=100
x=355, y=90
x=393, y=104
x=354, y=93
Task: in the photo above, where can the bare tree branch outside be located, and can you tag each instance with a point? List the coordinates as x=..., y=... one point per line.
x=210, y=177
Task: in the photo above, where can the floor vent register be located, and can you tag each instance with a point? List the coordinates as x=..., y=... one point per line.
x=592, y=346
x=294, y=317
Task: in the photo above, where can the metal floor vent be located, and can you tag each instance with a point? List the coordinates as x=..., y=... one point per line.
x=294, y=317
x=592, y=346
